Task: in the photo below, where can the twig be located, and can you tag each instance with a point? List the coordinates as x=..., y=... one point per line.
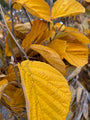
x=17, y=79
x=56, y=32
x=13, y=30
x=27, y=16
x=2, y=14
x=9, y=42
x=9, y=108
x=51, y=4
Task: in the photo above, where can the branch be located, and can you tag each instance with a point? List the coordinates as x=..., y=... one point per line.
x=21, y=49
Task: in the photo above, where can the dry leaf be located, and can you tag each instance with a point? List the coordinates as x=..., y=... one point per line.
x=22, y=29
x=14, y=97
x=37, y=29
x=46, y=91
x=51, y=56
x=3, y=84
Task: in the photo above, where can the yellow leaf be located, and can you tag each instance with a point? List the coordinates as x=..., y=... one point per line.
x=87, y=0
x=46, y=91
x=7, y=47
x=38, y=8
x=3, y=84
x=59, y=46
x=51, y=56
x=44, y=36
x=63, y=8
x=37, y=29
x=74, y=52
x=78, y=35
x=11, y=73
x=14, y=97
x=15, y=6
x=22, y=29
x=59, y=26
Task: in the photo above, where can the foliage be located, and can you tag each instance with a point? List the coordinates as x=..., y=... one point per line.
x=36, y=55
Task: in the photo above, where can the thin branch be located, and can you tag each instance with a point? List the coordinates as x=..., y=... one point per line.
x=13, y=29
x=2, y=14
x=51, y=4
x=9, y=108
x=9, y=42
x=27, y=16
x=17, y=78
x=56, y=32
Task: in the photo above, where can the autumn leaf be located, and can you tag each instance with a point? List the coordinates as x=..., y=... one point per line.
x=3, y=84
x=78, y=35
x=63, y=8
x=8, y=51
x=14, y=97
x=59, y=46
x=46, y=91
x=11, y=74
x=21, y=30
x=51, y=56
x=74, y=52
x=38, y=8
x=87, y=0
x=38, y=28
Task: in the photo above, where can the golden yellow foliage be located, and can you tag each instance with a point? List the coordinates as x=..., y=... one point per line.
x=38, y=28
x=3, y=84
x=8, y=51
x=46, y=91
x=59, y=46
x=64, y=8
x=11, y=74
x=75, y=53
x=78, y=35
x=38, y=8
x=87, y=0
x=22, y=29
x=51, y=56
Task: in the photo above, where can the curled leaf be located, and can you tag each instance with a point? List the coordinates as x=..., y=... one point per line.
x=38, y=28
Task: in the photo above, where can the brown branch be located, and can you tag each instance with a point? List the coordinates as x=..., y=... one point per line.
x=9, y=43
